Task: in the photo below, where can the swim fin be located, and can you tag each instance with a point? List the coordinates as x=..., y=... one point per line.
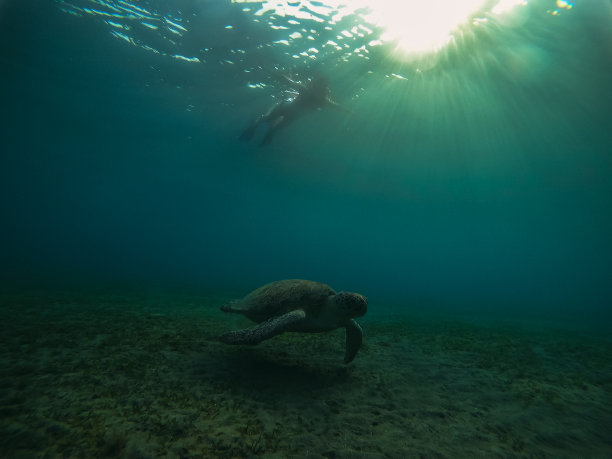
x=248, y=133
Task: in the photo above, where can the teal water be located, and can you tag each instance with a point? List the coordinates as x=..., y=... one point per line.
x=463, y=187
x=478, y=173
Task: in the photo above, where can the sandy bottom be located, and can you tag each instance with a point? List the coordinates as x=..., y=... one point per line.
x=141, y=375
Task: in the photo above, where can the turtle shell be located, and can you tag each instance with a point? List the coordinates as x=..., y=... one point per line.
x=280, y=297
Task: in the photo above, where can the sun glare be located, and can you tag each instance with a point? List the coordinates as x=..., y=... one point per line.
x=421, y=27
x=416, y=28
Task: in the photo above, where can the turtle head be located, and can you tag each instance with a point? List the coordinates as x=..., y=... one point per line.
x=351, y=304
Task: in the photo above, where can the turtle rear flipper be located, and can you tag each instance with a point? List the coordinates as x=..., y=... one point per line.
x=354, y=337
x=265, y=330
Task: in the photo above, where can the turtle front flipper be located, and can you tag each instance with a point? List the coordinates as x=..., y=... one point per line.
x=263, y=331
x=354, y=337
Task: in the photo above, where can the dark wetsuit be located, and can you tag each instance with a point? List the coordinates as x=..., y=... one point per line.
x=310, y=97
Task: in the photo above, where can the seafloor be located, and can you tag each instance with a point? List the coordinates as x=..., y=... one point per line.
x=141, y=375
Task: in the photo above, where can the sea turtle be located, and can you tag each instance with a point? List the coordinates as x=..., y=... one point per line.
x=297, y=305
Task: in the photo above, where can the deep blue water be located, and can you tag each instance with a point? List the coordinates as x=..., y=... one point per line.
x=481, y=180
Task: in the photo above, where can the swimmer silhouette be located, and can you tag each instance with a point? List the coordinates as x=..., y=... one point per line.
x=307, y=98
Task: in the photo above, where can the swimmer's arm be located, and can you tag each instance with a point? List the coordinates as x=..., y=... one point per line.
x=337, y=105
x=296, y=84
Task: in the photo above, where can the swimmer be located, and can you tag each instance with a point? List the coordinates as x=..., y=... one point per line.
x=307, y=98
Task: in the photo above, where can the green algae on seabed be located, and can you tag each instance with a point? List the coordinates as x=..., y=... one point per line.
x=137, y=375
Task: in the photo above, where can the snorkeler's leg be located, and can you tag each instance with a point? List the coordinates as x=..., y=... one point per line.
x=273, y=113
x=280, y=122
x=248, y=133
x=268, y=138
